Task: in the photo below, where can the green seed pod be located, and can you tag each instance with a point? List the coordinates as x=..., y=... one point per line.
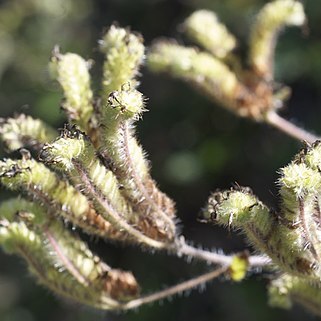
x=11, y=207
x=57, y=195
x=59, y=259
x=241, y=209
x=25, y=131
x=197, y=67
x=205, y=29
x=287, y=289
x=270, y=233
x=71, y=71
x=73, y=153
x=292, y=236
x=129, y=163
x=311, y=155
x=124, y=53
x=299, y=190
x=210, y=75
x=272, y=17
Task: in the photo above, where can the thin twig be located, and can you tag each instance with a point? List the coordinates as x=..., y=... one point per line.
x=289, y=128
x=187, y=285
x=183, y=249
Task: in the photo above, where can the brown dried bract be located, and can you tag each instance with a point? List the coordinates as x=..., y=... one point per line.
x=121, y=285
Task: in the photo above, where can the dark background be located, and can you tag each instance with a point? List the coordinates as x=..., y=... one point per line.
x=194, y=146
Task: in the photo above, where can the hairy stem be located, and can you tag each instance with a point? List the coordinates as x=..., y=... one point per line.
x=181, y=287
x=289, y=128
x=184, y=249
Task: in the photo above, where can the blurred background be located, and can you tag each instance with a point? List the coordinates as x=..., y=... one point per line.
x=194, y=146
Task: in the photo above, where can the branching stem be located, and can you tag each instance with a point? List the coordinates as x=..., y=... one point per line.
x=183, y=249
x=289, y=128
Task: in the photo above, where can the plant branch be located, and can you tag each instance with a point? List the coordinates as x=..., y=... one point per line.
x=183, y=249
x=181, y=287
x=289, y=128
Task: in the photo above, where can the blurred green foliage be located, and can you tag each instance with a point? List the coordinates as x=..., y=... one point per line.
x=211, y=147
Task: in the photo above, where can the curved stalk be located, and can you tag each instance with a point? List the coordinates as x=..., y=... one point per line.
x=181, y=287
x=275, y=120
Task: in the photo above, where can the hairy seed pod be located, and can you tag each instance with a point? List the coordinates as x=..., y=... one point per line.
x=71, y=71
x=287, y=289
x=57, y=195
x=204, y=27
x=59, y=259
x=25, y=132
x=73, y=153
x=210, y=76
x=129, y=163
x=272, y=17
x=267, y=231
x=124, y=53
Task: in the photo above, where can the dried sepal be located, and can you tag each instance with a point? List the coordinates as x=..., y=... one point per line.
x=124, y=52
x=272, y=17
x=129, y=163
x=60, y=198
x=72, y=73
x=59, y=259
x=287, y=289
x=204, y=27
x=24, y=131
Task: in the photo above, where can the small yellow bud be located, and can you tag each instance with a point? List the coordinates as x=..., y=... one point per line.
x=238, y=267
